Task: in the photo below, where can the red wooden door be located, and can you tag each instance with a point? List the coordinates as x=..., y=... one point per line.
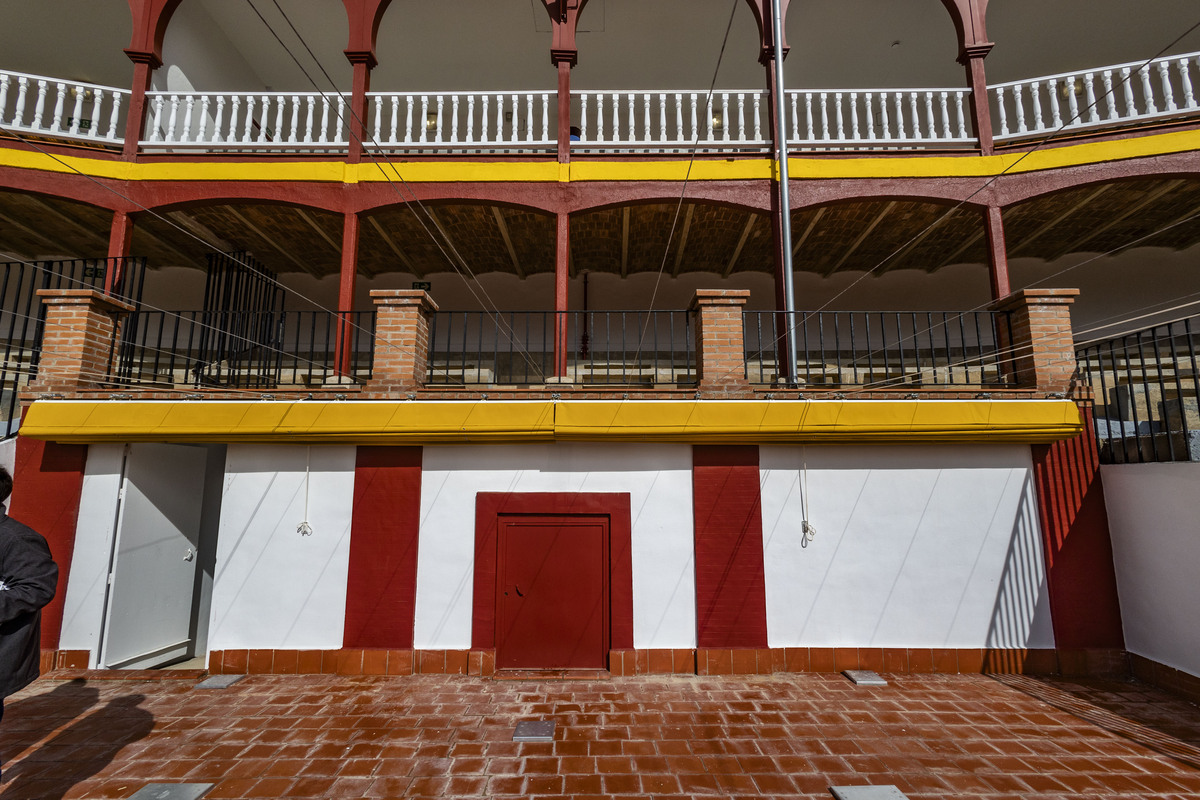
x=552, y=593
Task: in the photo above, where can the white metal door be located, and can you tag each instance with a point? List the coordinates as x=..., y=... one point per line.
x=153, y=576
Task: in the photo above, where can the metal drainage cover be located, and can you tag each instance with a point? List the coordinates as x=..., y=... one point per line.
x=219, y=682
x=540, y=730
x=864, y=677
x=867, y=793
x=171, y=791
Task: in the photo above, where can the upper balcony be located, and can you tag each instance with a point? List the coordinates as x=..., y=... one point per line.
x=240, y=80
x=648, y=121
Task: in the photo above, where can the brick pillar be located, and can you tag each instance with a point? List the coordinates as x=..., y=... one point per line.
x=720, y=339
x=1042, y=349
x=401, y=339
x=79, y=340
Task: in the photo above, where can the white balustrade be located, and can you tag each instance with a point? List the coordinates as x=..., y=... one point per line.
x=645, y=121
x=61, y=109
x=1112, y=96
x=878, y=118
x=247, y=121
x=462, y=120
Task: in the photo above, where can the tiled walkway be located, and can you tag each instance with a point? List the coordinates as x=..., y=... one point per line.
x=436, y=736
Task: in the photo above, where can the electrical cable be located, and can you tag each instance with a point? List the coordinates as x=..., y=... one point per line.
x=456, y=262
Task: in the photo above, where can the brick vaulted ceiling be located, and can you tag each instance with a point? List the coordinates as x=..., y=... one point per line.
x=877, y=234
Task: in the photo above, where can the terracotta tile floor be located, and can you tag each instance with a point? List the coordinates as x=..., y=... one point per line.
x=437, y=736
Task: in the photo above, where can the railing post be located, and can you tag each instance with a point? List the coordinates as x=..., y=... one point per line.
x=981, y=110
x=363, y=62
x=1041, y=354
x=720, y=339
x=402, y=322
x=144, y=64
x=80, y=339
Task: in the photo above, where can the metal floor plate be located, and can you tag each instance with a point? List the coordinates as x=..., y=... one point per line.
x=867, y=793
x=864, y=677
x=530, y=730
x=219, y=681
x=171, y=791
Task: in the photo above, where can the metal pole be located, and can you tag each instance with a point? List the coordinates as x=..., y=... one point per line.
x=785, y=204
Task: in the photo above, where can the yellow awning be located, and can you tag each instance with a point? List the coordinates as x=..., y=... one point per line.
x=492, y=421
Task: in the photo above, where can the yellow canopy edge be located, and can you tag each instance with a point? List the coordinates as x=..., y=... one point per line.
x=484, y=421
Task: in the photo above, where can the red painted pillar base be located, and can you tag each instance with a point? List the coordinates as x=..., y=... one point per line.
x=1080, y=575
x=47, y=482
x=731, y=599
x=381, y=585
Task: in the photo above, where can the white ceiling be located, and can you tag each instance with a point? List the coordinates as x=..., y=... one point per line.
x=670, y=44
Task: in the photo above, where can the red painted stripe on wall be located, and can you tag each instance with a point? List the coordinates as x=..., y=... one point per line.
x=1080, y=576
x=731, y=599
x=47, y=482
x=381, y=587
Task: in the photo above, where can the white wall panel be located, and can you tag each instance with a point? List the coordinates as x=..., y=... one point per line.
x=274, y=588
x=658, y=479
x=8, y=453
x=83, y=604
x=931, y=546
x=1152, y=516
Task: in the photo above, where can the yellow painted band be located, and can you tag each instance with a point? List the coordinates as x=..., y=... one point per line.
x=455, y=169
x=433, y=422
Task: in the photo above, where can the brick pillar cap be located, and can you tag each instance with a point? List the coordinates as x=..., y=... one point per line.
x=1035, y=297
x=403, y=297
x=81, y=297
x=720, y=297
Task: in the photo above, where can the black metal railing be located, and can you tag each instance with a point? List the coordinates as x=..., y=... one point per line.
x=23, y=317
x=896, y=349
x=242, y=349
x=636, y=348
x=1145, y=387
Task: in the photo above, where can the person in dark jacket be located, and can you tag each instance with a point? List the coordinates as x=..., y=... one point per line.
x=28, y=578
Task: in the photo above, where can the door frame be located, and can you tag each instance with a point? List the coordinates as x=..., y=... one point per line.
x=491, y=506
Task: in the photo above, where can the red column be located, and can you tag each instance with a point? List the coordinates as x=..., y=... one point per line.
x=564, y=108
x=561, y=266
x=144, y=64
x=345, y=333
x=120, y=237
x=363, y=61
x=47, y=482
x=997, y=252
x=1080, y=577
x=731, y=601
x=981, y=110
x=381, y=585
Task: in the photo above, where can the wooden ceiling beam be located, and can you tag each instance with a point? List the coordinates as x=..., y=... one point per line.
x=270, y=241
x=751, y=218
x=862, y=237
x=683, y=239
x=512, y=251
x=387, y=239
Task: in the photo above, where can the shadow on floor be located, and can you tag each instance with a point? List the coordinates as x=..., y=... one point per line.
x=74, y=753
x=1159, y=721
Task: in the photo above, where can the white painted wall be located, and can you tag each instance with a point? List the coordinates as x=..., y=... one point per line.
x=274, y=588
x=1152, y=517
x=8, y=453
x=83, y=605
x=930, y=546
x=658, y=479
